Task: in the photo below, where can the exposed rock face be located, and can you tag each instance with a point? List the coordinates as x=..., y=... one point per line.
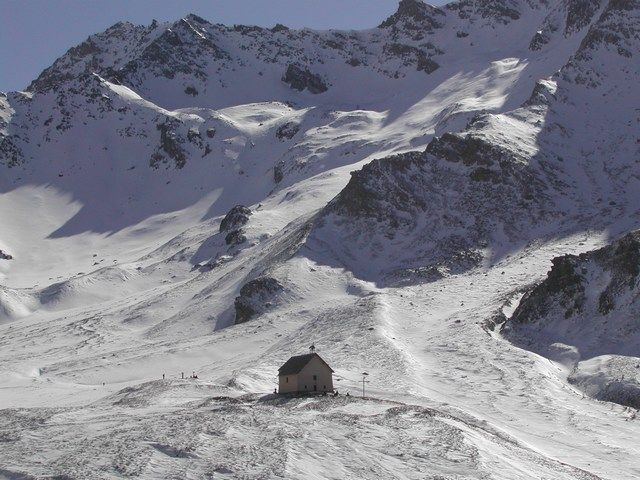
x=496, y=179
x=580, y=13
x=466, y=149
x=539, y=40
x=5, y=256
x=567, y=18
x=170, y=146
x=197, y=63
x=237, y=217
x=615, y=28
x=587, y=312
x=177, y=50
x=185, y=52
x=10, y=154
x=571, y=285
x=191, y=90
x=563, y=289
x=415, y=56
x=503, y=11
x=235, y=237
x=301, y=78
x=444, y=205
x=84, y=57
x=233, y=222
x=415, y=15
x=287, y=131
x=372, y=186
x=256, y=297
x=278, y=171
x=615, y=34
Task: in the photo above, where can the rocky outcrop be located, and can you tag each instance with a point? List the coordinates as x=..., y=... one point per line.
x=184, y=49
x=540, y=39
x=170, y=148
x=5, y=256
x=278, y=171
x=10, y=154
x=235, y=237
x=126, y=53
x=443, y=205
x=580, y=14
x=467, y=149
x=502, y=11
x=191, y=90
x=563, y=289
x=415, y=56
x=573, y=288
x=232, y=224
x=256, y=297
x=93, y=55
x=586, y=312
x=616, y=34
x=235, y=218
x=618, y=27
x=301, y=78
x=415, y=16
x=287, y=131
x=567, y=18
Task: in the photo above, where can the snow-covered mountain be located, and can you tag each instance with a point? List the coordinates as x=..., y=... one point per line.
x=585, y=314
x=511, y=177
x=192, y=197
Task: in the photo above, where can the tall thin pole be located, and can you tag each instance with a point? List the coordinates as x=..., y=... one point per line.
x=364, y=379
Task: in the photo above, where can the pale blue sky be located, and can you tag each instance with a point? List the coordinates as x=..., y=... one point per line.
x=33, y=33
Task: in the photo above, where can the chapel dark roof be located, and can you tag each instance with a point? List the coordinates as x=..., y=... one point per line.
x=296, y=364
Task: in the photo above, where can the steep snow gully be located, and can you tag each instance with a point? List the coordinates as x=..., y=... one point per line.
x=448, y=202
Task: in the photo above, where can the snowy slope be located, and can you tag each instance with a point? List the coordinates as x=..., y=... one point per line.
x=585, y=314
x=402, y=186
x=507, y=179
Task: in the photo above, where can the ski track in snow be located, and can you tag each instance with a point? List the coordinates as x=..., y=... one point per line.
x=117, y=283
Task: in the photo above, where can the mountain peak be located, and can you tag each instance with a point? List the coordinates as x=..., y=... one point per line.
x=412, y=8
x=192, y=17
x=414, y=12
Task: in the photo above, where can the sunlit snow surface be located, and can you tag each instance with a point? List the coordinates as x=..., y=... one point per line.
x=120, y=275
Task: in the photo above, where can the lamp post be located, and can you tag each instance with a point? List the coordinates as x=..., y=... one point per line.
x=364, y=380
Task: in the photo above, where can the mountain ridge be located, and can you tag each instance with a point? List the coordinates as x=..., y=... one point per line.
x=193, y=197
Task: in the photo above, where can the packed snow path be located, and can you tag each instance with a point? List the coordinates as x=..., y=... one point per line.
x=112, y=193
